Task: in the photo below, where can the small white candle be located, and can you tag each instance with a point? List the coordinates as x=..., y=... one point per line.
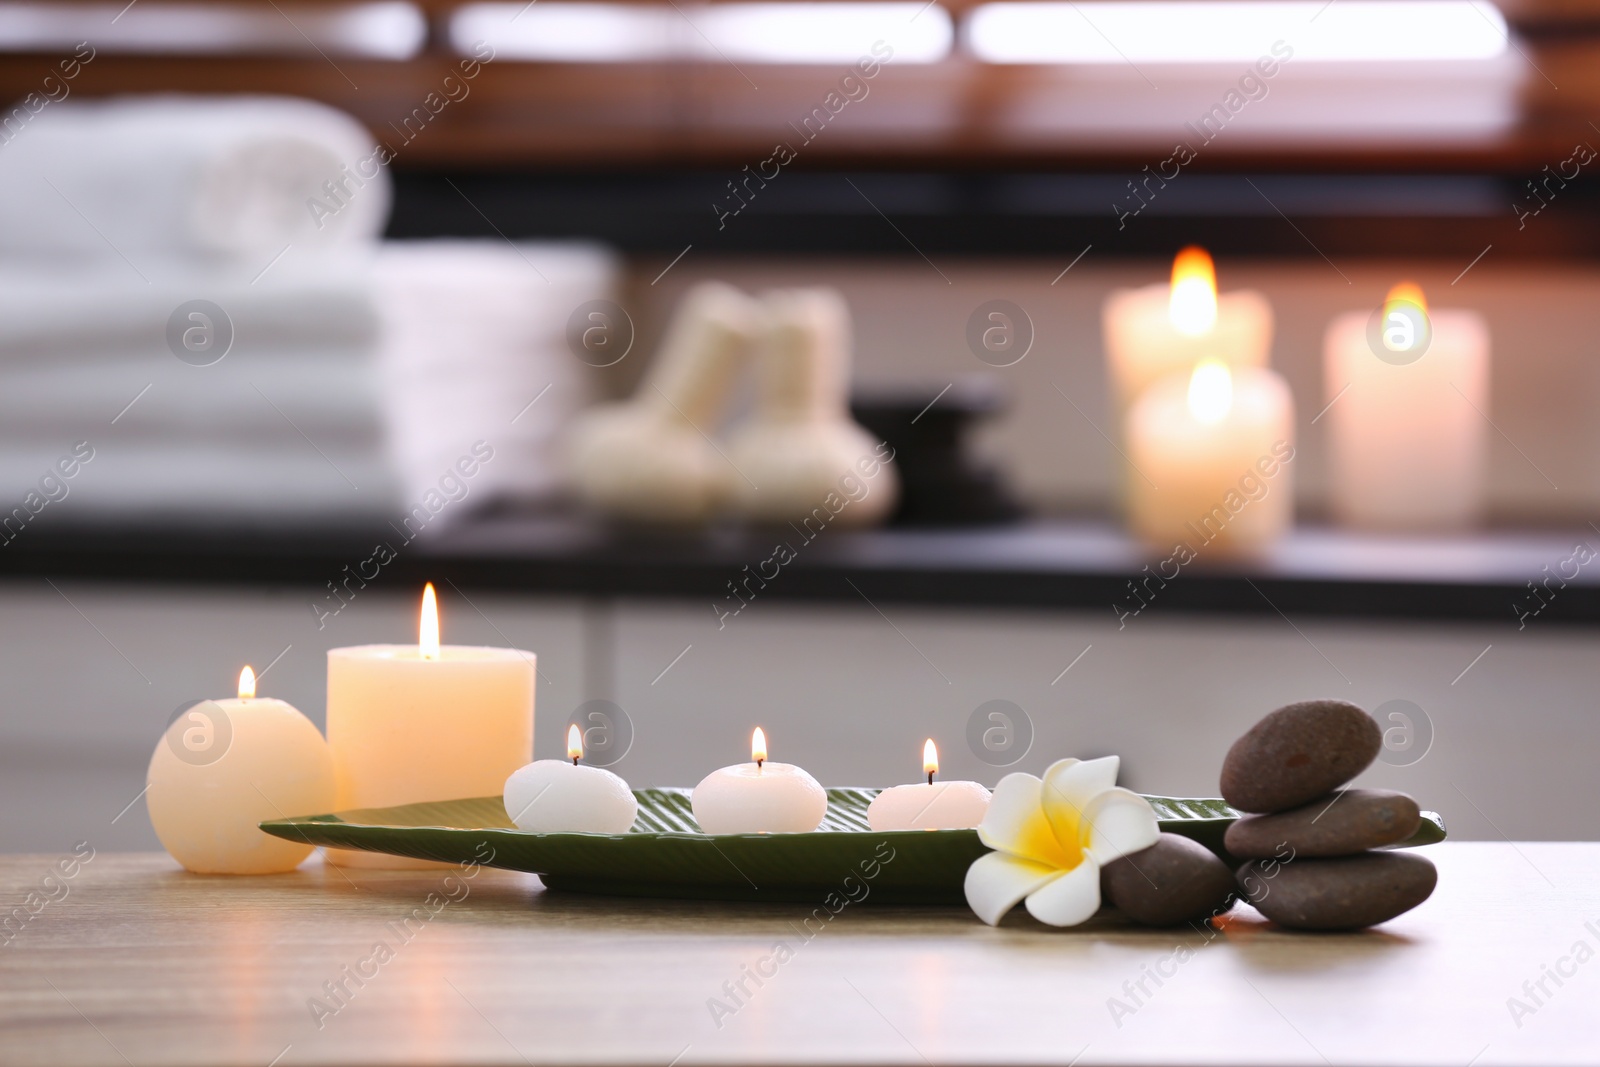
x=930, y=805
x=1211, y=453
x=759, y=797
x=226, y=766
x=555, y=796
x=1156, y=330
x=411, y=723
x=1409, y=431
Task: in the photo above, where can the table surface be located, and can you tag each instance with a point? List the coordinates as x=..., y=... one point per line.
x=133, y=963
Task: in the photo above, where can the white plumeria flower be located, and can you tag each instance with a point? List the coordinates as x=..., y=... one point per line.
x=1052, y=836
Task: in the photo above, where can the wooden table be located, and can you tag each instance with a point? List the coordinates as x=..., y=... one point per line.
x=141, y=965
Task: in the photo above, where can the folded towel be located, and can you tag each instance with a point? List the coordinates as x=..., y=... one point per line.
x=475, y=349
x=313, y=301
x=236, y=177
x=127, y=480
x=255, y=395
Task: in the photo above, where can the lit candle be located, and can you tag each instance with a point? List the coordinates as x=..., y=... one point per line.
x=1408, y=423
x=1211, y=454
x=930, y=805
x=1159, y=329
x=410, y=723
x=759, y=797
x=224, y=767
x=553, y=796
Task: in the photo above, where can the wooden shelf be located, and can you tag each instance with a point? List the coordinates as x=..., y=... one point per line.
x=955, y=115
x=1054, y=566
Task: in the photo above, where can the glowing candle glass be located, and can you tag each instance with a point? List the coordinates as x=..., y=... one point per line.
x=1408, y=421
x=1160, y=329
x=1210, y=453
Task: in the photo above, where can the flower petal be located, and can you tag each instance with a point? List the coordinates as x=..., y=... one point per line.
x=1069, y=787
x=1070, y=899
x=995, y=882
x=1117, y=823
x=1016, y=823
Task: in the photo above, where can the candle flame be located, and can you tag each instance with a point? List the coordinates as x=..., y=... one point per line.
x=1210, y=391
x=247, y=684
x=428, y=627
x=574, y=743
x=1193, y=305
x=1405, y=293
x=930, y=758
x=758, y=746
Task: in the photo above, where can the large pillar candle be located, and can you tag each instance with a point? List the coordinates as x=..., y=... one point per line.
x=1408, y=421
x=410, y=723
x=1211, y=454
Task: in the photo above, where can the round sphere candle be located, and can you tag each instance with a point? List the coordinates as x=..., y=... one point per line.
x=225, y=766
x=412, y=723
x=1408, y=396
x=554, y=796
x=759, y=797
x=1211, y=454
x=1158, y=329
x=930, y=805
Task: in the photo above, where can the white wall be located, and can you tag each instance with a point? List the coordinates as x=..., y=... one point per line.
x=850, y=694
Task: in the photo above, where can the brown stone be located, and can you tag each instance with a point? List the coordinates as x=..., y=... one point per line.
x=1298, y=753
x=1341, y=824
x=1347, y=893
x=1174, y=881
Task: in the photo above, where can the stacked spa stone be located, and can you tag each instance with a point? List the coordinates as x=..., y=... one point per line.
x=1310, y=842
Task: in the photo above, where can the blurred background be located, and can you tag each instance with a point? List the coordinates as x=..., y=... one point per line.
x=270, y=272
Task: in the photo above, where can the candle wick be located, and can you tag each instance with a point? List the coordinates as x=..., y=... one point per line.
x=574, y=761
x=930, y=777
x=759, y=762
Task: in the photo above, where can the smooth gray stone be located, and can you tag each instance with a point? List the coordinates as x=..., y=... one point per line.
x=1347, y=893
x=1340, y=824
x=1298, y=753
x=1173, y=881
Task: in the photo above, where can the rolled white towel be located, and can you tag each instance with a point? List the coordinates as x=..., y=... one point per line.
x=237, y=177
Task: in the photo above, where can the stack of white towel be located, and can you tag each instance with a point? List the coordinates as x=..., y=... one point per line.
x=476, y=347
x=117, y=217
x=113, y=217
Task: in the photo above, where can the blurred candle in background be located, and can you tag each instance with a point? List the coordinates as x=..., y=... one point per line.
x=409, y=723
x=1160, y=329
x=1408, y=421
x=1211, y=454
